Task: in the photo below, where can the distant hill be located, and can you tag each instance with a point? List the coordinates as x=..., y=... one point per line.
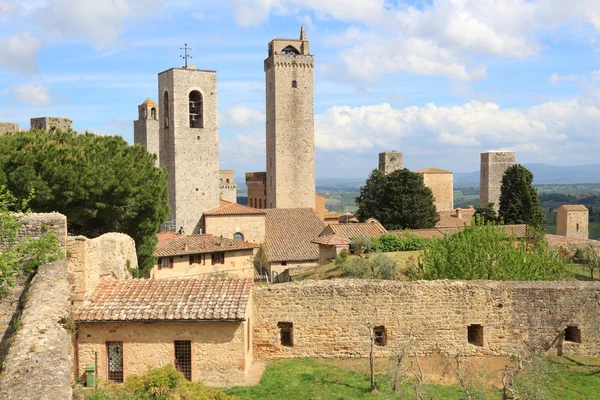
x=544, y=174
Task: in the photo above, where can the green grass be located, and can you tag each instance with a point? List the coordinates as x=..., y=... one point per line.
x=570, y=379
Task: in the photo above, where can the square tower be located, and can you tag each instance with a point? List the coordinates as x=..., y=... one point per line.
x=146, y=128
x=227, y=185
x=188, y=143
x=8, y=127
x=493, y=166
x=290, y=124
x=391, y=161
x=47, y=123
x=441, y=183
x=573, y=221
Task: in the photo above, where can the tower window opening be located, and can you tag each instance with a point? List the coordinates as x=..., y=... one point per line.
x=144, y=113
x=166, y=109
x=286, y=333
x=294, y=84
x=153, y=113
x=573, y=334
x=290, y=50
x=475, y=335
x=577, y=227
x=196, y=109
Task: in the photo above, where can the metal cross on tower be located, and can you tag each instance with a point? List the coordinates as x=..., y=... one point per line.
x=185, y=48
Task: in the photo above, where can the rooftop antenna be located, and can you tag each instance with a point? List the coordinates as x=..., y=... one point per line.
x=185, y=49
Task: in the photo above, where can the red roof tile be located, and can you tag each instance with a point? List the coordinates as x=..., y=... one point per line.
x=363, y=230
x=199, y=244
x=228, y=208
x=168, y=235
x=183, y=299
x=332, y=239
x=289, y=234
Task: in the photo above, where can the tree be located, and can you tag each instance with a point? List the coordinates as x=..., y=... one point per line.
x=101, y=183
x=486, y=212
x=398, y=200
x=20, y=254
x=519, y=201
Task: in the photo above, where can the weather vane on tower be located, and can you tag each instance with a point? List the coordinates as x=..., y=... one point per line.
x=185, y=48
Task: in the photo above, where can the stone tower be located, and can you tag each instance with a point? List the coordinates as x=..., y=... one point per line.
x=188, y=146
x=573, y=221
x=290, y=124
x=391, y=161
x=493, y=166
x=441, y=183
x=146, y=128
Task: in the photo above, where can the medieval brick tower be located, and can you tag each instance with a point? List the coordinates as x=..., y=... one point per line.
x=290, y=124
x=189, y=143
x=146, y=128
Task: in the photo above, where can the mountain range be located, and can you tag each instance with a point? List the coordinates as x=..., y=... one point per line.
x=544, y=174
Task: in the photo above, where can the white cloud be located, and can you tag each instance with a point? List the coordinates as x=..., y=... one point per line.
x=7, y=6
x=31, y=95
x=243, y=117
x=19, y=53
x=556, y=78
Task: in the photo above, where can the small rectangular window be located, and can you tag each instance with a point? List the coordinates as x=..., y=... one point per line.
x=294, y=84
x=183, y=358
x=166, y=262
x=114, y=361
x=380, y=335
x=286, y=333
x=196, y=259
x=475, y=334
x=573, y=334
x=284, y=263
x=218, y=258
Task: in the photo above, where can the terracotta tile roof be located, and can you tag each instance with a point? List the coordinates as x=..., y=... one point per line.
x=289, y=234
x=363, y=230
x=433, y=171
x=228, y=208
x=422, y=233
x=574, y=207
x=332, y=239
x=199, y=244
x=168, y=235
x=554, y=240
x=448, y=218
x=183, y=299
x=520, y=231
x=149, y=102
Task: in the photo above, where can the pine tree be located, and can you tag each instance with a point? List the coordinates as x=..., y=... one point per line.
x=519, y=201
x=399, y=200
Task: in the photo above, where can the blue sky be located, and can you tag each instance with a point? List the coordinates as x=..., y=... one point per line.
x=439, y=80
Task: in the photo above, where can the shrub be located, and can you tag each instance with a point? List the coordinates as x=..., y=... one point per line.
x=383, y=266
x=341, y=258
x=361, y=243
x=355, y=267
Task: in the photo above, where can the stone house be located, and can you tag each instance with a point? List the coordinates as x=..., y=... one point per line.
x=357, y=230
x=235, y=221
x=196, y=255
x=330, y=245
x=201, y=326
x=288, y=240
x=572, y=221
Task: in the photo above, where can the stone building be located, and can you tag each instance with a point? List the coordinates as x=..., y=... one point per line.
x=493, y=166
x=189, y=143
x=146, y=128
x=8, y=127
x=330, y=245
x=195, y=255
x=227, y=186
x=201, y=326
x=391, y=161
x=572, y=221
x=355, y=230
x=290, y=124
x=257, y=189
x=47, y=123
x=236, y=221
x=441, y=183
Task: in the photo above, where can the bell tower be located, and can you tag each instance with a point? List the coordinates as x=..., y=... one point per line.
x=189, y=143
x=146, y=129
x=290, y=179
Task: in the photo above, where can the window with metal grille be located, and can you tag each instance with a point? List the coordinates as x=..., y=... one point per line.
x=380, y=335
x=286, y=333
x=183, y=358
x=114, y=356
x=218, y=258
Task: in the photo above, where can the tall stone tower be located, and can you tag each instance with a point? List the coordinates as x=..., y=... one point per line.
x=391, y=161
x=146, y=128
x=188, y=146
x=493, y=166
x=290, y=124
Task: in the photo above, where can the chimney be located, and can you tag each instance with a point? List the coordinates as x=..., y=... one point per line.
x=221, y=243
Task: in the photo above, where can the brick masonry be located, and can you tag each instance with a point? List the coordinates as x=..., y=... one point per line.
x=329, y=317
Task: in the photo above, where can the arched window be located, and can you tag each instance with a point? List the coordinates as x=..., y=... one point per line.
x=153, y=113
x=294, y=84
x=290, y=50
x=238, y=236
x=196, y=110
x=166, y=108
x=226, y=180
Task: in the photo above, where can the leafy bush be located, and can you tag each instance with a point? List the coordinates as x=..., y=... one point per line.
x=485, y=251
x=341, y=258
x=380, y=266
x=157, y=384
x=388, y=243
x=355, y=267
x=360, y=243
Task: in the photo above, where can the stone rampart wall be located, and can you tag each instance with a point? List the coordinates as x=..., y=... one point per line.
x=39, y=361
x=329, y=317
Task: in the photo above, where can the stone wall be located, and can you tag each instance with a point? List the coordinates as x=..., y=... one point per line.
x=329, y=317
x=110, y=256
x=237, y=263
x=252, y=226
x=39, y=361
x=8, y=127
x=573, y=221
x=47, y=123
x=441, y=184
x=391, y=161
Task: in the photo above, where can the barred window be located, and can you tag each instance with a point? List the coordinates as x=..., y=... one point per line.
x=114, y=355
x=183, y=358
